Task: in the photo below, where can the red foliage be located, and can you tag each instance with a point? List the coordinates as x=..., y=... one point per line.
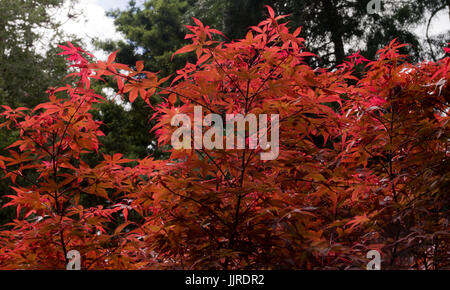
x=363, y=164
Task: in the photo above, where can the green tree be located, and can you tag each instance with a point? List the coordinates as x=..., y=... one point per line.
x=153, y=32
x=127, y=130
x=28, y=66
x=332, y=28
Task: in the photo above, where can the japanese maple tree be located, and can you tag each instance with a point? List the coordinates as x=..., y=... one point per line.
x=363, y=164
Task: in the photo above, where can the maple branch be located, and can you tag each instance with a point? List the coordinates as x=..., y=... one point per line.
x=128, y=78
x=227, y=180
x=55, y=171
x=36, y=143
x=236, y=86
x=238, y=206
x=104, y=255
x=63, y=244
x=196, y=201
x=258, y=91
x=23, y=176
x=188, y=98
x=67, y=126
x=375, y=157
x=203, y=228
x=391, y=129
x=239, y=197
x=391, y=176
x=251, y=205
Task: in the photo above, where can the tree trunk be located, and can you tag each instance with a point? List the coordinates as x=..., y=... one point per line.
x=333, y=22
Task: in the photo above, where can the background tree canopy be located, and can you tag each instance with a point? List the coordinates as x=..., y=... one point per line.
x=332, y=28
x=28, y=67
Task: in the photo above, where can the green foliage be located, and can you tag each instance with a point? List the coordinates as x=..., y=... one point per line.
x=27, y=66
x=27, y=69
x=154, y=31
x=127, y=131
x=328, y=24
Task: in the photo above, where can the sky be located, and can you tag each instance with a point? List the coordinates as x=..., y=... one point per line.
x=112, y=4
x=93, y=23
